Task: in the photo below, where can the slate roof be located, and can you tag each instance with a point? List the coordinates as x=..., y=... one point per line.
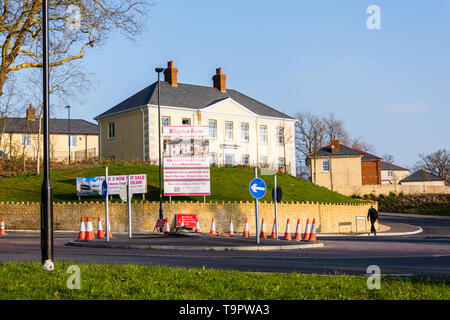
x=390, y=166
x=56, y=126
x=343, y=151
x=422, y=175
x=192, y=97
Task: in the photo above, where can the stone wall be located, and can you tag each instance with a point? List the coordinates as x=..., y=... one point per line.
x=330, y=218
x=396, y=188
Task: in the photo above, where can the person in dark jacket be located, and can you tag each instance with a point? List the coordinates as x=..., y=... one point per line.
x=373, y=216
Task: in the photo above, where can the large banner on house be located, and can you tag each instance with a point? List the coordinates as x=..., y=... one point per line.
x=186, y=161
x=92, y=186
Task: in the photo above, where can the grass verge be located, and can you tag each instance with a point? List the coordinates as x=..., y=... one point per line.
x=127, y=282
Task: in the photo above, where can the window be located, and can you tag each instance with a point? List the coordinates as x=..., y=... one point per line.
x=230, y=159
x=263, y=134
x=263, y=161
x=228, y=130
x=26, y=139
x=280, y=163
x=244, y=131
x=326, y=165
x=245, y=160
x=212, y=128
x=165, y=121
x=72, y=141
x=390, y=173
x=212, y=158
x=111, y=130
x=186, y=122
x=280, y=135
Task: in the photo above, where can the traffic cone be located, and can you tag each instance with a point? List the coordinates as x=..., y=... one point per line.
x=197, y=226
x=274, y=228
x=212, y=232
x=312, y=236
x=287, y=233
x=100, y=232
x=246, y=230
x=109, y=230
x=307, y=231
x=2, y=227
x=298, y=233
x=166, y=228
x=262, y=234
x=231, y=229
x=89, y=229
x=82, y=233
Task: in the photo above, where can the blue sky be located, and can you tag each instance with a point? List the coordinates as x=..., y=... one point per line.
x=390, y=86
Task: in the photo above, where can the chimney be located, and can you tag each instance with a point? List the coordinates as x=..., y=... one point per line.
x=219, y=80
x=31, y=113
x=334, y=145
x=170, y=74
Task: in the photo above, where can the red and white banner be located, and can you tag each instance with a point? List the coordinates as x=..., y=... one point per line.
x=186, y=161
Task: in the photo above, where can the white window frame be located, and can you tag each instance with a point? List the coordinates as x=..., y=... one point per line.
x=26, y=139
x=280, y=135
x=212, y=158
x=227, y=131
x=212, y=130
x=165, y=118
x=244, y=133
x=280, y=163
x=230, y=155
x=111, y=125
x=390, y=173
x=72, y=141
x=248, y=159
x=323, y=165
x=265, y=162
x=263, y=135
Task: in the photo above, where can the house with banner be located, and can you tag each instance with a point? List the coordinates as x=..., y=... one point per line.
x=241, y=130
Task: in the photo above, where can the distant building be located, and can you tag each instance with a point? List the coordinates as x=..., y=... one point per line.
x=392, y=174
x=19, y=136
x=242, y=130
x=423, y=178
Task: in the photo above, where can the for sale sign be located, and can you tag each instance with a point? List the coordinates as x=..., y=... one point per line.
x=186, y=161
x=92, y=186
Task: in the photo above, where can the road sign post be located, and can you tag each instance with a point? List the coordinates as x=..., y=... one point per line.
x=275, y=203
x=257, y=190
x=105, y=196
x=129, y=195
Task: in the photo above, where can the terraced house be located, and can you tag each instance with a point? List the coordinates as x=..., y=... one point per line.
x=242, y=130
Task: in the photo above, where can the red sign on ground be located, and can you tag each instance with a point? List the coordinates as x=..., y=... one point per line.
x=189, y=219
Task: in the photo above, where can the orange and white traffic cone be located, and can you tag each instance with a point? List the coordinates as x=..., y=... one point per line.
x=287, y=233
x=274, y=228
x=197, y=226
x=166, y=228
x=312, y=236
x=212, y=232
x=2, y=227
x=262, y=234
x=307, y=231
x=100, y=232
x=82, y=233
x=109, y=230
x=89, y=229
x=246, y=229
x=231, y=229
x=298, y=233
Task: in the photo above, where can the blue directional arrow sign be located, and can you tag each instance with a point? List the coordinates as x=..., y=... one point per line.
x=258, y=188
x=104, y=189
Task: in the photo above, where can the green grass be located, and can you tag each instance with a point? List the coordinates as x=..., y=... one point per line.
x=28, y=281
x=227, y=184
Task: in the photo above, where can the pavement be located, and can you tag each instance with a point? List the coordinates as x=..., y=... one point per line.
x=201, y=241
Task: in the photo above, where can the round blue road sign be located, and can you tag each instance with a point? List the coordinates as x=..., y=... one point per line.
x=104, y=189
x=258, y=188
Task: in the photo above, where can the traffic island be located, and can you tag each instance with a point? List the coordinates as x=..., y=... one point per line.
x=195, y=241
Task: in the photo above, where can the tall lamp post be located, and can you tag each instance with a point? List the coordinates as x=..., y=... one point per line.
x=46, y=189
x=159, y=70
x=68, y=128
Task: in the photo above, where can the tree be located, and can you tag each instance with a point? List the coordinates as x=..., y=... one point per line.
x=335, y=128
x=74, y=26
x=437, y=163
x=388, y=158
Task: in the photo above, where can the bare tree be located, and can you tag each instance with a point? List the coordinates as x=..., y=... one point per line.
x=335, y=128
x=437, y=163
x=359, y=143
x=388, y=158
x=74, y=26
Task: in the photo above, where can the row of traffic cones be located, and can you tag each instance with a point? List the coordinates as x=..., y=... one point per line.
x=87, y=231
x=308, y=235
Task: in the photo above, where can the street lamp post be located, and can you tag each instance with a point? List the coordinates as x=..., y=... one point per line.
x=159, y=70
x=68, y=128
x=46, y=189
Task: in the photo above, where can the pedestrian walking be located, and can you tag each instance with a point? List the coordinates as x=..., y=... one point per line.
x=372, y=215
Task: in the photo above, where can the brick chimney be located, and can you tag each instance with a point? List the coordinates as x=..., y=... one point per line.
x=31, y=113
x=334, y=145
x=219, y=80
x=170, y=74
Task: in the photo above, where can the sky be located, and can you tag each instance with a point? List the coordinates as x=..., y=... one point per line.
x=390, y=86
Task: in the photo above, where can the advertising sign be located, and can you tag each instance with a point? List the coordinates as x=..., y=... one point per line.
x=92, y=186
x=186, y=161
x=188, y=219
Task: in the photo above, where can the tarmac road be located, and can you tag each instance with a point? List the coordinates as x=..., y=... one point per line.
x=422, y=254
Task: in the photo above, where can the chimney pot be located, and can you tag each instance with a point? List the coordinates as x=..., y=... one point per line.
x=335, y=146
x=31, y=113
x=170, y=74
